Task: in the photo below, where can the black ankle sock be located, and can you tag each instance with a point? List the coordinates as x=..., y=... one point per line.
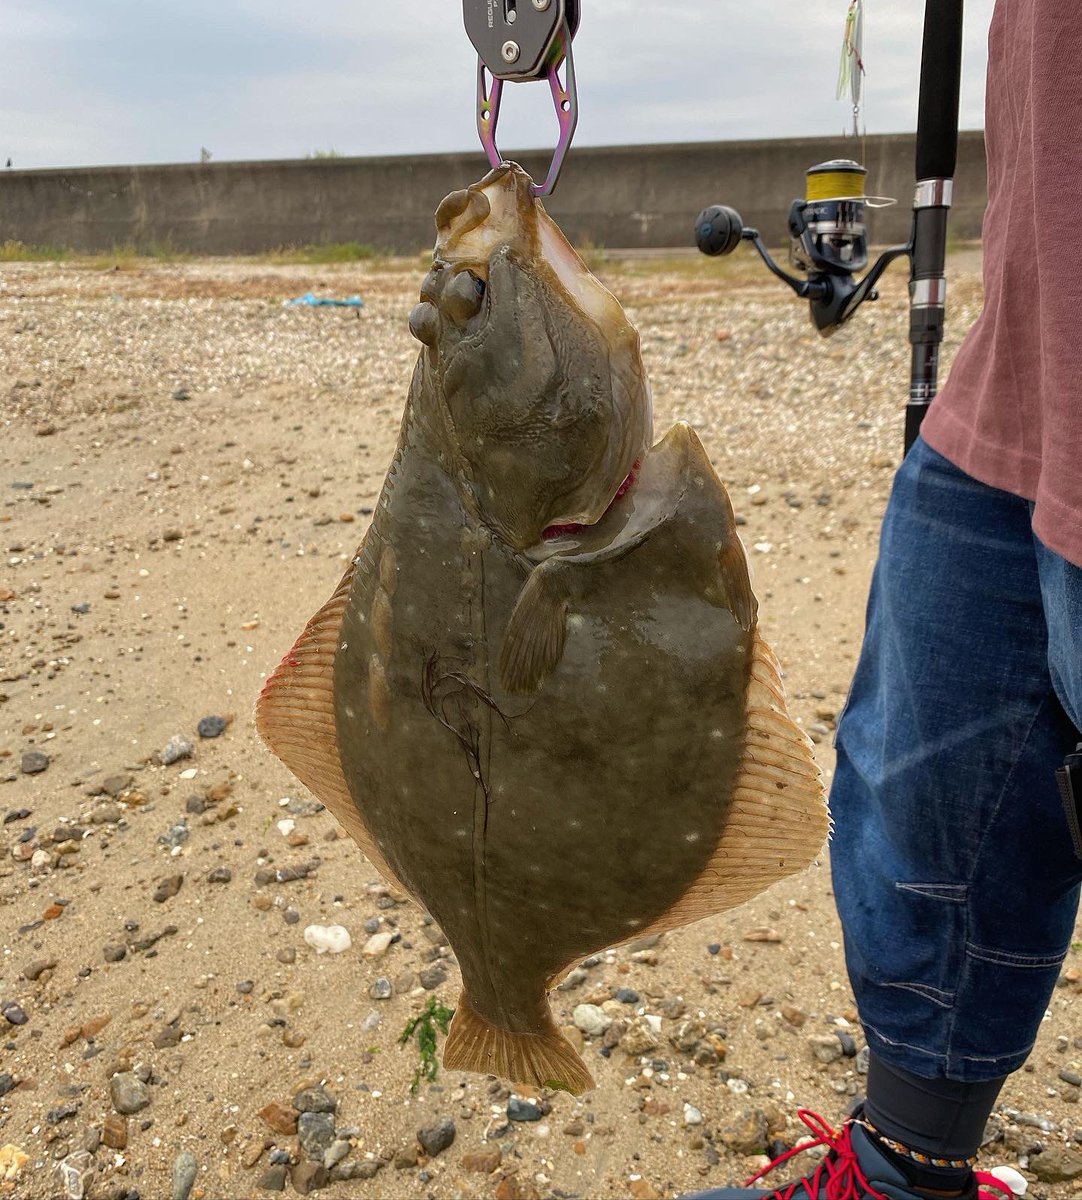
x=941, y=1118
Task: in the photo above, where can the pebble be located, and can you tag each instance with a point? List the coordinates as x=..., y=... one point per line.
x=309, y=1177
x=406, y=1159
x=575, y=978
x=315, y=1130
x=336, y=1151
x=219, y=875
x=34, y=762
x=592, y=1020
x=1057, y=1164
x=13, y=1013
x=73, y=1170
x=167, y=888
x=482, y=1162
x=113, y=952
x=825, y=1047
x=377, y=945
x=129, y=1093
x=175, y=749
x=279, y=1118
x=328, y=939
x=381, y=988
x=185, y=1169
x=34, y=970
x=640, y=1037
x=748, y=1133
x=436, y=1138
x=176, y=835
x=432, y=977
x=114, y=1131
x=273, y=1179
x=692, y=1115
x=316, y=1100
x=287, y=955
x=7, y=1083
x=523, y=1110
x=211, y=727
x=627, y=995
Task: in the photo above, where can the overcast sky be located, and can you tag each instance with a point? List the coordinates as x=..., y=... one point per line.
x=88, y=82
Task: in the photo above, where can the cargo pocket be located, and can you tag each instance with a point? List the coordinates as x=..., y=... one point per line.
x=926, y=948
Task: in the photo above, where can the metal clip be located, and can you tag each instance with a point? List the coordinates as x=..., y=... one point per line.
x=540, y=45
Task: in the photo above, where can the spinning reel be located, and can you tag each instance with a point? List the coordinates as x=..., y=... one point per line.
x=828, y=243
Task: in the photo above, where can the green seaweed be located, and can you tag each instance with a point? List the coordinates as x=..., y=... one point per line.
x=432, y=1016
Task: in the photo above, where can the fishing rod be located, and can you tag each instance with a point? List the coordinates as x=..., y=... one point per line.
x=829, y=241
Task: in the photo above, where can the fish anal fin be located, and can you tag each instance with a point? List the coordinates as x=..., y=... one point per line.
x=295, y=717
x=778, y=819
x=537, y=1060
x=534, y=642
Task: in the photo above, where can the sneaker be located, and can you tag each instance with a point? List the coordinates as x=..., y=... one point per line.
x=855, y=1168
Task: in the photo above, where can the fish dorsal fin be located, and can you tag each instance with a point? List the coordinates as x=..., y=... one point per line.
x=777, y=821
x=295, y=717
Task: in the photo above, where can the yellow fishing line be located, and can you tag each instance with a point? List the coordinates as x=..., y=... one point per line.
x=835, y=185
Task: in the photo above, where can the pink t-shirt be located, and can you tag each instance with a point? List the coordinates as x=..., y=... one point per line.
x=1011, y=412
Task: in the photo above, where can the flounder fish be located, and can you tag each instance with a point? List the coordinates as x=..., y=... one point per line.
x=537, y=699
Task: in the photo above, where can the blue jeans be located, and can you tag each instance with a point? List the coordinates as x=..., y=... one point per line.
x=954, y=872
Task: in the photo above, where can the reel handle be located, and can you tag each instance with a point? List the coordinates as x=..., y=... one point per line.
x=718, y=230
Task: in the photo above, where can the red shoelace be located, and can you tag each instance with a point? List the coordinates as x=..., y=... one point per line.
x=839, y=1176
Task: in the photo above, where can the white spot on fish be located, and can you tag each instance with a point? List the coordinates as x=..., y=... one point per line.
x=574, y=823
x=633, y=923
x=716, y=733
x=462, y=832
x=350, y=713
x=691, y=837
x=575, y=621
x=344, y=646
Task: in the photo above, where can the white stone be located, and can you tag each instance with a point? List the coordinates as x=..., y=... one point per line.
x=591, y=1020
x=377, y=944
x=328, y=939
x=692, y=1116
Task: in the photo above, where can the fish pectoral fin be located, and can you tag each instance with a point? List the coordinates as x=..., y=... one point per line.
x=544, y=1059
x=736, y=582
x=537, y=631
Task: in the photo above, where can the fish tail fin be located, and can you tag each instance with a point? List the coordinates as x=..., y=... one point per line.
x=544, y=1059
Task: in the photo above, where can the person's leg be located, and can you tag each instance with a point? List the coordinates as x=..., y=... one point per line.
x=953, y=869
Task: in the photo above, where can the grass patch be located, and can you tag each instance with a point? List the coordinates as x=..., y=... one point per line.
x=23, y=252
x=333, y=252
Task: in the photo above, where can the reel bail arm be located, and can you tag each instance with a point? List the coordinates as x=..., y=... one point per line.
x=521, y=41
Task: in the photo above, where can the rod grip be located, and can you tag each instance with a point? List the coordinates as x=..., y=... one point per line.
x=940, y=78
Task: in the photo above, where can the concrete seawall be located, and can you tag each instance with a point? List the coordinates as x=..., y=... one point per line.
x=617, y=196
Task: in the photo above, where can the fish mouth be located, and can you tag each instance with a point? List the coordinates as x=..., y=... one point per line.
x=552, y=532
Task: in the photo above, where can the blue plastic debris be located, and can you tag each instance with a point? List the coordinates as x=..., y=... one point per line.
x=314, y=301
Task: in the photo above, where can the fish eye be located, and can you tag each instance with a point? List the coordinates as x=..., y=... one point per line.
x=463, y=296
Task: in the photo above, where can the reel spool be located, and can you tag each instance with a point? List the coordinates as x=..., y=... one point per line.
x=827, y=227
